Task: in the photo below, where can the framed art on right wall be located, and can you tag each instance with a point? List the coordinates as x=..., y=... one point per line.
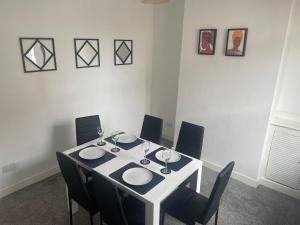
x=236, y=42
x=207, y=41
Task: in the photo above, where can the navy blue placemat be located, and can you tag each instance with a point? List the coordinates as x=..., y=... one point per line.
x=95, y=162
x=125, y=146
x=141, y=189
x=173, y=166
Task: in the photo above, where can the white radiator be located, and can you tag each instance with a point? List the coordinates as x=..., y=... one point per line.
x=284, y=159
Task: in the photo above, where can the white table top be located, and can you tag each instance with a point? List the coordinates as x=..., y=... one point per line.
x=161, y=190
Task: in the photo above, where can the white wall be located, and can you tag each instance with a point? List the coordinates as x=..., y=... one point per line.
x=37, y=110
x=289, y=91
x=285, y=114
x=167, y=36
x=231, y=96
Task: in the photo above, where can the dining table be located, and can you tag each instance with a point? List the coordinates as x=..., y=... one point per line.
x=130, y=156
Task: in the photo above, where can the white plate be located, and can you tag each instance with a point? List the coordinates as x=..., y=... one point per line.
x=137, y=176
x=126, y=138
x=92, y=153
x=175, y=156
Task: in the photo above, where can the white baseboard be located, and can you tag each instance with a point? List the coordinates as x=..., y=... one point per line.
x=235, y=175
x=28, y=181
x=280, y=188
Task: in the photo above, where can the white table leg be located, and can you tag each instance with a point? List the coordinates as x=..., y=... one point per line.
x=199, y=180
x=152, y=213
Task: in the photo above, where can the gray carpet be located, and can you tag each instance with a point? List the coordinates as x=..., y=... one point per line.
x=44, y=203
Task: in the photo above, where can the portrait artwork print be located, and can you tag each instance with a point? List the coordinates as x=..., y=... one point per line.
x=236, y=42
x=207, y=41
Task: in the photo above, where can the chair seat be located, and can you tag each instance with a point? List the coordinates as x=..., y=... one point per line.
x=191, y=207
x=134, y=210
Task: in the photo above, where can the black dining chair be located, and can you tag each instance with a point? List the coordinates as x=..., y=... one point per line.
x=152, y=129
x=189, y=142
x=190, y=139
x=116, y=210
x=77, y=189
x=190, y=207
x=86, y=129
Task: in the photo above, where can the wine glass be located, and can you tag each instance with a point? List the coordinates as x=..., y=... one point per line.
x=166, y=155
x=146, y=147
x=115, y=137
x=100, y=131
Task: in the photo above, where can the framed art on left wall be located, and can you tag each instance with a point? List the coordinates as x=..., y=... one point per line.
x=38, y=54
x=123, y=51
x=87, y=52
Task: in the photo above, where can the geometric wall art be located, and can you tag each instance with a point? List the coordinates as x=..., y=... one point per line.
x=87, y=52
x=123, y=51
x=38, y=54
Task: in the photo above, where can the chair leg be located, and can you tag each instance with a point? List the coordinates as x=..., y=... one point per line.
x=70, y=209
x=162, y=218
x=91, y=219
x=216, y=217
x=101, y=221
x=193, y=180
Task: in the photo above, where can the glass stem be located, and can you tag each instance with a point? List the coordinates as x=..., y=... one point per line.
x=166, y=165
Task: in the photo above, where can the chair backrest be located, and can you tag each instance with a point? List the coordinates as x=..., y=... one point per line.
x=217, y=192
x=152, y=129
x=190, y=139
x=76, y=187
x=86, y=129
x=107, y=198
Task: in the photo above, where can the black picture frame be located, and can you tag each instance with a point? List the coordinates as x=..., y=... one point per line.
x=213, y=37
x=79, y=57
x=118, y=61
x=243, y=42
x=24, y=53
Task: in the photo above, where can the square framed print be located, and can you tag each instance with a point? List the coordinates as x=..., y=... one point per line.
x=236, y=42
x=123, y=50
x=207, y=41
x=87, y=52
x=38, y=54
